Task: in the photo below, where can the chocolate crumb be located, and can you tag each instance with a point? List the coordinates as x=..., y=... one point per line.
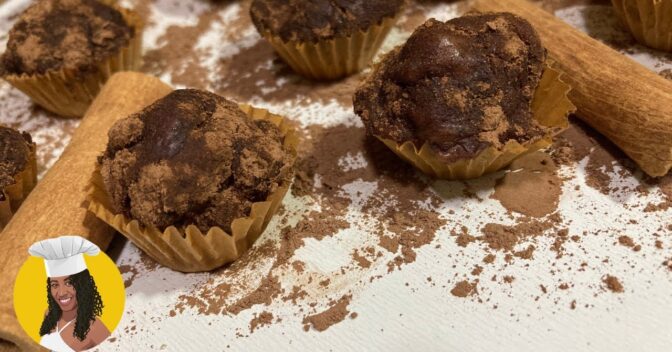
x=336, y=313
x=464, y=289
x=263, y=319
x=612, y=283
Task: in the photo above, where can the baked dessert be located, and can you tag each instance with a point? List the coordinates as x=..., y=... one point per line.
x=649, y=21
x=18, y=170
x=192, y=162
x=60, y=52
x=457, y=89
x=325, y=39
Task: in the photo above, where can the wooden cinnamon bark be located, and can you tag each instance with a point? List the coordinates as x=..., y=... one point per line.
x=628, y=103
x=56, y=206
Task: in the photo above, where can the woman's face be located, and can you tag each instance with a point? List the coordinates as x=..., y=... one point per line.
x=63, y=292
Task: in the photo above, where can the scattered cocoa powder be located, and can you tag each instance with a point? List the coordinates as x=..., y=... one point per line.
x=126, y=269
x=659, y=244
x=463, y=238
x=532, y=187
x=527, y=253
x=558, y=244
x=262, y=319
x=337, y=312
x=477, y=270
x=361, y=260
x=255, y=71
x=464, y=289
x=625, y=240
x=504, y=238
x=612, y=283
x=668, y=264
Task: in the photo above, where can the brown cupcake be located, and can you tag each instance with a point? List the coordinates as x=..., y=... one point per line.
x=195, y=164
x=60, y=52
x=18, y=171
x=457, y=99
x=325, y=39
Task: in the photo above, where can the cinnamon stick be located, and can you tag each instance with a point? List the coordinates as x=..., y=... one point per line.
x=623, y=100
x=57, y=204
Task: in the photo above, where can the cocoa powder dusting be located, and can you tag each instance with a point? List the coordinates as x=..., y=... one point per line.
x=464, y=289
x=260, y=320
x=626, y=241
x=337, y=312
x=505, y=238
x=612, y=283
x=532, y=187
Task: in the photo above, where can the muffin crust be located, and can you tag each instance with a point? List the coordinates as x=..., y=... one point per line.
x=64, y=34
x=15, y=150
x=461, y=86
x=192, y=157
x=313, y=20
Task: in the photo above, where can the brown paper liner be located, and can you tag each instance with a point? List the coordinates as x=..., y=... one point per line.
x=550, y=106
x=650, y=21
x=334, y=58
x=188, y=249
x=14, y=194
x=68, y=92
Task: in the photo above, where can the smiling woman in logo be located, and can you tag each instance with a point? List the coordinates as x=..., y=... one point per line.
x=72, y=321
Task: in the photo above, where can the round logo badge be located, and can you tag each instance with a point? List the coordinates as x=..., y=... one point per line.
x=68, y=295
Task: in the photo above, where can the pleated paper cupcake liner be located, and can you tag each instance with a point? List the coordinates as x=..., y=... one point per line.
x=14, y=194
x=188, y=249
x=335, y=58
x=68, y=92
x=650, y=21
x=550, y=106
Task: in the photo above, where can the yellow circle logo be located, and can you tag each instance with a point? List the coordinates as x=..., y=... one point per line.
x=65, y=297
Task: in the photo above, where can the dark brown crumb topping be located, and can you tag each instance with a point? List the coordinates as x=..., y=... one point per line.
x=192, y=157
x=64, y=34
x=461, y=86
x=15, y=150
x=313, y=20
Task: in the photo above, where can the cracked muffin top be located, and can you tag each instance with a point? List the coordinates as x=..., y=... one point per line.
x=64, y=34
x=192, y=157
x=315, y=20
x=461, y=86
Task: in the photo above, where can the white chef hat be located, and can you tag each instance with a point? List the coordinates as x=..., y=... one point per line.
x=64, y=256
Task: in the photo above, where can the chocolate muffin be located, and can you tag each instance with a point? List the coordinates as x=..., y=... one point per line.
x=16, y=150
x=459, y=86
x=313, y=20
x=192, y=157
x=61, y=52
x=71, y=34
x=325, y=39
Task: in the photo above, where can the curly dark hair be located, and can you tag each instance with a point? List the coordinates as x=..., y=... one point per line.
x=89, y=305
